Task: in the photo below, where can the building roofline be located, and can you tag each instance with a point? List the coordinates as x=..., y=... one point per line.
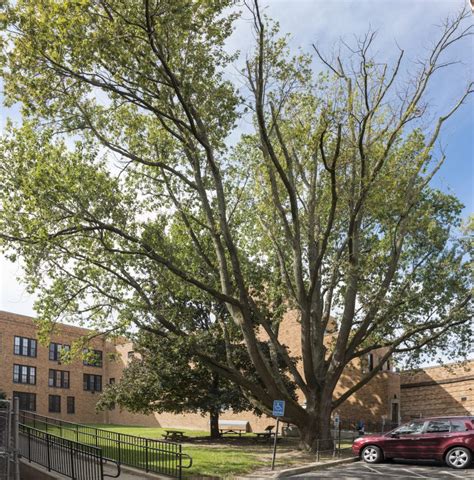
x=445, y=365
x=26, y=319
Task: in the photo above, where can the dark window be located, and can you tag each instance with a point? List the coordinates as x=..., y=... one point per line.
x=24, y=346
x=55, y=350
x=112, y=380
x=92, y=358
x=438, y=426
x=27, y=401
x=92, y=383
x=55, y=403
x=24, y=374
x=71, y=405
x=459, y=426
x=370, y=361
x=58, y=378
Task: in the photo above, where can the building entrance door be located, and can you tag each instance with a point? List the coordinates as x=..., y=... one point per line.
x=394, y=418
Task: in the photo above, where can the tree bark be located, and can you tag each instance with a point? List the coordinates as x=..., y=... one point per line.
x=316, y=432
x=214, y=422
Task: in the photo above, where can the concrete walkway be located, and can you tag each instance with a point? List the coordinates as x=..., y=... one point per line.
x=128, y=473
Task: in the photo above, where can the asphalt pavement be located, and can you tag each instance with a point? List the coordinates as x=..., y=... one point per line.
x=396, y=470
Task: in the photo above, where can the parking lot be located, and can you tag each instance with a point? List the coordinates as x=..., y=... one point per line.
x=397, y=470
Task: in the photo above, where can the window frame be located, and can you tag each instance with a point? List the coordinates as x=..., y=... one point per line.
x=70, y=400
x=57, y=378
x=92, y=380
x=26, y=400
x=25, y=344
x=98, y=363
x=54, y=401
x=55, y=351
x=19, y=375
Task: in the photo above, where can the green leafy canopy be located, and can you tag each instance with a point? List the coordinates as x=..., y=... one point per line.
x=122, y=194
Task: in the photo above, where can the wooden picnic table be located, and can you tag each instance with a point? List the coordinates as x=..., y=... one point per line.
x=175, y=435
x=231, y=430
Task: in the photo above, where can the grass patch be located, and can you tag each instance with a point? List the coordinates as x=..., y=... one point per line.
x=222, y=461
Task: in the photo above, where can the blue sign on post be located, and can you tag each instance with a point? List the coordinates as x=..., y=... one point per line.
x=278, y=408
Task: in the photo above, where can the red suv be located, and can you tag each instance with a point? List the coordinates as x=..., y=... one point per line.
x=448, y=439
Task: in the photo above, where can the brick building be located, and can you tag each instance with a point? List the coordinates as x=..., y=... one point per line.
x=34, y=372
x=432, y=391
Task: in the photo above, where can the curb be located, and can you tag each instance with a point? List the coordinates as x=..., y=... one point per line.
x=313, y=466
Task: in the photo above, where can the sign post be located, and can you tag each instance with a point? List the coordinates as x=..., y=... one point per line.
x=278, y=411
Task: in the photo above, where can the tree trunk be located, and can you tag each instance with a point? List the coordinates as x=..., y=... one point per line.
x=214, y=422
x=316, y=432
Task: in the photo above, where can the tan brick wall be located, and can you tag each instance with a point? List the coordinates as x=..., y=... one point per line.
x=433, y=391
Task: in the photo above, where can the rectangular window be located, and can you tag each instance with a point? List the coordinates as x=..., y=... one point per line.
x=58, y=378
x=55, y=350
x=24, y=374
x=27, y=401
x=370, y=358
x=438, y=426
x=92, y=358
x=92, y=383
x=55, y=404
x=24, y=346
x=71, y=405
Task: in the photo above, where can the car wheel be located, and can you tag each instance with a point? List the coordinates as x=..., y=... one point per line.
x=458, y=457
x=372, y=454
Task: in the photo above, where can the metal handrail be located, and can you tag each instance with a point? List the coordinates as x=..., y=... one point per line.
x=119, y=468
x=188, y=458
x=61, y=454
x=151, y=455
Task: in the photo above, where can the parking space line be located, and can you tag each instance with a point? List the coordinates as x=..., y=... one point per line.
x=451, y=474
x=372, y=469
x=380, y=474
x=412, y=472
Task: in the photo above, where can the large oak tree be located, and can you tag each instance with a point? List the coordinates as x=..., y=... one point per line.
x=121, y=188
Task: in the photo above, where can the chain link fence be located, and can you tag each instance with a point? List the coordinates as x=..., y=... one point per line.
x=9, y=458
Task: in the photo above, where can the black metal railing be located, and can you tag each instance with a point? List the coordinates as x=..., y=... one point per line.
x=357, y=426
x=158, y=456
x=71, y=459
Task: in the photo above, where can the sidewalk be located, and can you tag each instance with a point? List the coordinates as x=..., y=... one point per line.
x=288, y=472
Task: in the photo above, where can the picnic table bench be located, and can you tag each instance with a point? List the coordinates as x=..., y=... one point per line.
x=267, y=434
x=175, y=435
x=233, y=426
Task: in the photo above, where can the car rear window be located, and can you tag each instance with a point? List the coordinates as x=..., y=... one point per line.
x=459, y=426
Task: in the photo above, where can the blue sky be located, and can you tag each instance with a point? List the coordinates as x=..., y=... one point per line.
x=409, y=23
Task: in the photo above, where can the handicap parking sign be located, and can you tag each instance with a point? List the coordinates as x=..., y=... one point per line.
x=278, y=408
